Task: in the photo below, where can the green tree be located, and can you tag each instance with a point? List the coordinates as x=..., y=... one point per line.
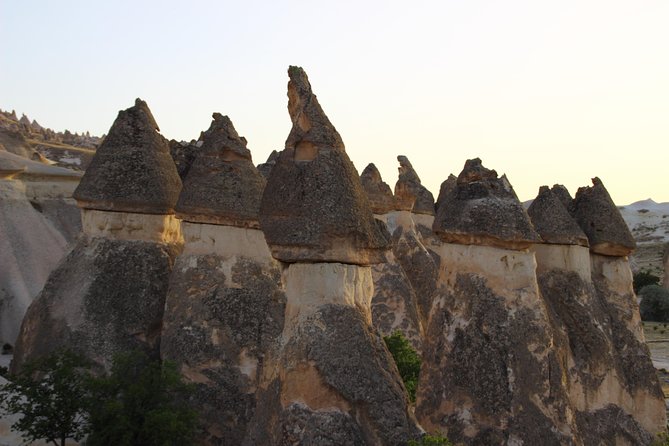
x=50, y=396
x=407, y=359
x=644, y=278
x=654, y=304
x=140, y=403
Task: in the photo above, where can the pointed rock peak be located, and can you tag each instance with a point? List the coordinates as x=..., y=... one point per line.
x=266, y=168
x=406, y=170
x=601, y=221
x=484, y=210
x=222, y=187
x=410, y=194
x=447, y=186
x=564, y=196
x=552, y=220
x=379, y=194
x=221, y=137
x=132, y=170
x=314, y=208
x=312, y=130
x=474, y=171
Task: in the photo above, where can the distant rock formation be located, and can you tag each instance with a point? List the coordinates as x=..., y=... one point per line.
x=108, y=294
x=380, y=196
x=410, y=194
x=266, y=168
x=318, y=389
x=38, y=220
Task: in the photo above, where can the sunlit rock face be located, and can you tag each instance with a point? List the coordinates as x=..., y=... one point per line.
x=38, y=220
x=225, y=305
x=331, y=381
x=410, y=194
x=108, y=294
x=492, y=364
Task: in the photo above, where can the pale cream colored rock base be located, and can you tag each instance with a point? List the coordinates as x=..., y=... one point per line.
x=157, y=228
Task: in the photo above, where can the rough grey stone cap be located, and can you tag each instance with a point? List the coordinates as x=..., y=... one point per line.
x=222, y=187
x=410, y=194
x=314, y=208
x=601, y=221
x=379, y=194
x=266, y=168
x=484, y=210
x=447, y=186
x=564, y=196
x=132, y=170
x=553, y=222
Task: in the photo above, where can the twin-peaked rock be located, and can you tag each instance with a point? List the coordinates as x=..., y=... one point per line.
x=483, y=209
x=108, y=294
x=552, y=220
x=410, y=194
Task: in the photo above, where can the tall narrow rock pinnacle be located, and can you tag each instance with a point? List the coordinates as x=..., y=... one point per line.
x=314, y=207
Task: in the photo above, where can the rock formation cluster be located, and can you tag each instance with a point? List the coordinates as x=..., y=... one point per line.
x=271, y=289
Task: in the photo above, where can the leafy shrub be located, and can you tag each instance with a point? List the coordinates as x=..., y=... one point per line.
x=431, y=440
x=140, y=403
x=407, y=360
x=644, y=278
x=654, y=304
x=50, y=394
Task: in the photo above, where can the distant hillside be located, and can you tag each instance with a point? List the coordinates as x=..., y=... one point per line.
x=29, y=139
x=649, y=223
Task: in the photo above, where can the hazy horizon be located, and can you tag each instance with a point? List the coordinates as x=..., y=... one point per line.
x=545, y=93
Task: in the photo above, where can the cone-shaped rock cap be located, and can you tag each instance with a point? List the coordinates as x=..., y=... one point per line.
x=447, y=186
x=266, y=168
x=132, y=170
x=553, y=222
x=410, y=194
x=483, y=209
x=314, y=208
x=601, y=221
x=223, y=186
x=379, y=194
x=564, y=196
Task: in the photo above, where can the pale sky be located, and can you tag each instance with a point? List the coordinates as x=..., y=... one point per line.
x=544, y=91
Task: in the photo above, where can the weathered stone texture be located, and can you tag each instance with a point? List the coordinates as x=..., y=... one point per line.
x=447, y=186
x=380, y=196
x=601, y=221
x=410, y=194
x=484, y=210
x=314, y=207
x=221, y=317
x=266, y=168
x=132, y=170
x=552, y=220
x=222, y=186
x=106, y=296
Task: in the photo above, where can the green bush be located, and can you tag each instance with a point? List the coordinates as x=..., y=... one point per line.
x=407, y=360
x=644, y=278
x=654, y=304
x=50, y=396
x=431, y=440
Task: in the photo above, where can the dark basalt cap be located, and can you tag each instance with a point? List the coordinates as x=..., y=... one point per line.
x=483, y=209
x=379, y=194
x=132, y=170
x=314, y=208
x=553, y=222
x=266, y=168
x=222, y=187
x=601, y=221
x=447, y=186
x=564, y=196
x=410, y=194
